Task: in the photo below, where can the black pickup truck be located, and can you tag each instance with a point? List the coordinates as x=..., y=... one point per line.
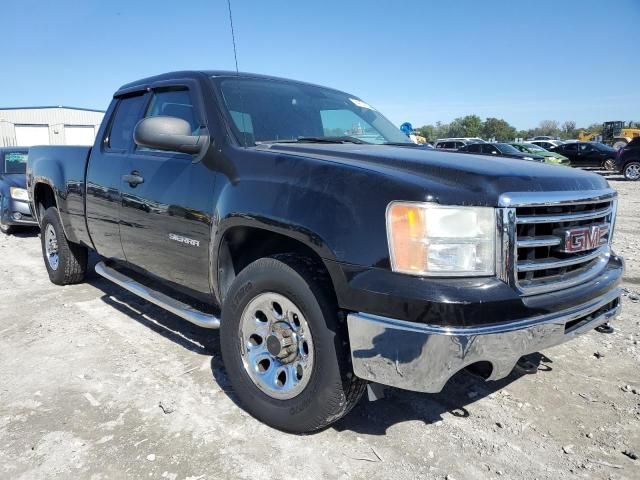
x=331, y=252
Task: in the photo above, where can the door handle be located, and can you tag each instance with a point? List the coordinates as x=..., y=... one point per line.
x=133, y=178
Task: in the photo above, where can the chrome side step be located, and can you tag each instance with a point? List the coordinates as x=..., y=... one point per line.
x=172, y=305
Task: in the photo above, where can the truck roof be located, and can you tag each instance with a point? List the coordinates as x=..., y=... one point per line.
x=146, y=82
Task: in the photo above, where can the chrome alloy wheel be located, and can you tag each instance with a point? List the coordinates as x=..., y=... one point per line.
x=276, y=345
x=51, y=247
x=632, y=172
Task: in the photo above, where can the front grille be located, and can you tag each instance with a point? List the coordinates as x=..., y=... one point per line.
x=545, y=260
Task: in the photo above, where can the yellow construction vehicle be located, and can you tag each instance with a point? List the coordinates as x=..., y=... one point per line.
x=615, y=133
x=585, y=136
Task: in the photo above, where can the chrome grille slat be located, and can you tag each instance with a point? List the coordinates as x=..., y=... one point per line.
x=538, y=257
x=541, y=241
x=563, y=217
x=551, y=262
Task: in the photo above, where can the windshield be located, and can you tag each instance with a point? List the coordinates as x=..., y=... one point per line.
x=506, y=148
x=15, y=162
x=601, y=147
x=534, y=148
x=264, y=110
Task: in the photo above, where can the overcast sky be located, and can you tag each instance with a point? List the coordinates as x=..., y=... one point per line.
x=418, y=61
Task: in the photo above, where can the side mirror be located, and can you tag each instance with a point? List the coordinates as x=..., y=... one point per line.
x=168, y=133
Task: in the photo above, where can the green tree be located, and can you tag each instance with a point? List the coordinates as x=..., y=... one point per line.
x=549, y=127
x=569, y=129
x=499, y=129
x=472, y=126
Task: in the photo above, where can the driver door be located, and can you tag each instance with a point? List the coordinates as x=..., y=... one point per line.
x=588, y=156
x=167, y=200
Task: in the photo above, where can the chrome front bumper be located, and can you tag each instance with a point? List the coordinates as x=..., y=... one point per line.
x=423, y=357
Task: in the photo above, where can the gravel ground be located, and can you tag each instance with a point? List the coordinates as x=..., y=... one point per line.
x=97, y=384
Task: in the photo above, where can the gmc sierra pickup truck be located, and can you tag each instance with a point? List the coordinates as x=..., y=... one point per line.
x=331, y=252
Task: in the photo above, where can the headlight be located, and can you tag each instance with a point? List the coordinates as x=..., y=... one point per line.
x=432, y=240
x=19, y=194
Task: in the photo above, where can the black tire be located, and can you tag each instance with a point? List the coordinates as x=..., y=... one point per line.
x=6, y=229
x=332, y=389
x=72, y=258
x=630, y=171
x=609, y=165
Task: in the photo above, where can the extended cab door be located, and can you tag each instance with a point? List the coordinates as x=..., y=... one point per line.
x=104, y=173
x=167, y=198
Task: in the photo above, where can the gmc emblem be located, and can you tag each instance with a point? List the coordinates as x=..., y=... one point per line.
x=579, y=239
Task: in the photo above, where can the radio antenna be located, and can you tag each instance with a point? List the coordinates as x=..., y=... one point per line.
x=233, y=36
x=235, y=57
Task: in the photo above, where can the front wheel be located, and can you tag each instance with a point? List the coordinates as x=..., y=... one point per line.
x=631, y=171
x=6, y=229
x=284, y=346
x=66, y=262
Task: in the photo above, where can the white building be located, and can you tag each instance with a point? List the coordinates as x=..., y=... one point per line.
x=24, y=127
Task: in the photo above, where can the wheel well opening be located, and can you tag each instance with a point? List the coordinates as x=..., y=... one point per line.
x=244, y=245
x=43, y=197
x=482, y=369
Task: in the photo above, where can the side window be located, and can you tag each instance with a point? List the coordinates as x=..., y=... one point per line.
x=174, y=102
x=488, y=148
x=128, y=112
x=585, y=148
x=570, y=147
x=474, y=147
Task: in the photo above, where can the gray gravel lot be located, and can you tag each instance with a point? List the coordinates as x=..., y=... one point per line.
x=97, y=384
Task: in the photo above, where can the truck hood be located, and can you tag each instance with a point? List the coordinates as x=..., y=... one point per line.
x=14, y=179
x=448, y=177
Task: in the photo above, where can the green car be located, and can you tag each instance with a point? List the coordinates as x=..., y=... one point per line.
x=549, y=157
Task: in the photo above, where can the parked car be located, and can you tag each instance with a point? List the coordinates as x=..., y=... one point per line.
x=588, y=154
x=627, y=160
x=14, y=201
x=544, y=137
x=455, y=143
x=546, y=144
x=549, y=157
x=499, y=150
x=327, y=261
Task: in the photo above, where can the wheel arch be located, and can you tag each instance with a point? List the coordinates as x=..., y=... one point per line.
x=43, y=195
x=241, y=244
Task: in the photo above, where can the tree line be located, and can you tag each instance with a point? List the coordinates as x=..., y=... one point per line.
x=501, y=130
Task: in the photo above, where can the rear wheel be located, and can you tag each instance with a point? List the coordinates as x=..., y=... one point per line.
x=631, y=171
x=609, y=164
x=284, y=346
x=66, y=262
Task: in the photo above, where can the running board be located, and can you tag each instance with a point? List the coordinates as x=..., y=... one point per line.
x=172, y=305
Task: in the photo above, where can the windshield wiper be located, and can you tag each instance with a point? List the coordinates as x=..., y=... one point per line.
x=402, y=144
x=343, y=139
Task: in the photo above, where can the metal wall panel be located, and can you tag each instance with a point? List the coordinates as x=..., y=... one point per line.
x=55, y=117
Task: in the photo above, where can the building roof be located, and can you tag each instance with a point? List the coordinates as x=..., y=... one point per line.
x=52, y=106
